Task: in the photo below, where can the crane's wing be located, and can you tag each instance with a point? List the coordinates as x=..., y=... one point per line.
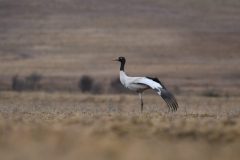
x=158, y=86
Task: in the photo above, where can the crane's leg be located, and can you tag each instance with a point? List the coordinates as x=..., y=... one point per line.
x=140, y=96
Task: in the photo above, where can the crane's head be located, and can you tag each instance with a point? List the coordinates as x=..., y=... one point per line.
x=120, y=59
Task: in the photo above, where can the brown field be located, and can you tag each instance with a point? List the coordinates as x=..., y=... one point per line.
x=192, y=46
x=76, y=126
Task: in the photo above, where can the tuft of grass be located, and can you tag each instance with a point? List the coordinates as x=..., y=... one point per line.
x=211, y=93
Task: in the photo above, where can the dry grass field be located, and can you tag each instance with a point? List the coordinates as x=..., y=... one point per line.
x=76, y=126
x=192, y=46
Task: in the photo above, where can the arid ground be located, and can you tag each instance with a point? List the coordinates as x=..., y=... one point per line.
x=75, y=126
x=192, y=46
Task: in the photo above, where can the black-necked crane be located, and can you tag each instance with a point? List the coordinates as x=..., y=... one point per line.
x=140, y=84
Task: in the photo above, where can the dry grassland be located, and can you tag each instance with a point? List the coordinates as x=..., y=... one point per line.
x=192, y=46
x=76, y=126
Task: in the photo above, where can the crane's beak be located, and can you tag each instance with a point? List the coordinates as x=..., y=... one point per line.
x=115, y=60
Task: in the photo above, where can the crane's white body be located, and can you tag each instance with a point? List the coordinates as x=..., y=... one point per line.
x=139, y=84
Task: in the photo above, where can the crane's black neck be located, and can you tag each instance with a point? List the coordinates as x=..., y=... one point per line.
x=122, y=65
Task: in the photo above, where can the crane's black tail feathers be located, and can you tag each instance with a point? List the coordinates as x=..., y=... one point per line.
x=169, y=99
x=166, y=95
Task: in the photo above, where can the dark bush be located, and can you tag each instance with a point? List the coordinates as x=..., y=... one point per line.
x=85, y=83
x=17, y=83
x=30, y=82
x=211, y=93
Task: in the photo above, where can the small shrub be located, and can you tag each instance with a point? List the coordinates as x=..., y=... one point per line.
x=17, y=83
x=32, y=81
x=211, y=93
x=85, y=83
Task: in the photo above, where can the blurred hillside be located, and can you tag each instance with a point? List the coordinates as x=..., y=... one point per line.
x=193, y=46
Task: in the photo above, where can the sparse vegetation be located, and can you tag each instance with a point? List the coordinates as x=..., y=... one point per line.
x=211, y=93
x=78, y=125
x=29, y=83
x=193, y=46
x=32, y=81
x=85, y=83
x=17, y=83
